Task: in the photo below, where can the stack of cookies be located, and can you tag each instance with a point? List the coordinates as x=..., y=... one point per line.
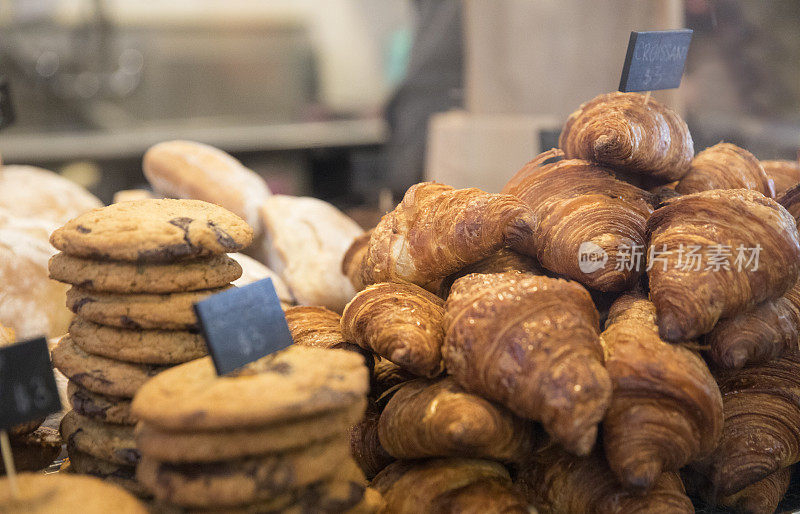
x=268, y=438
x=136, y=268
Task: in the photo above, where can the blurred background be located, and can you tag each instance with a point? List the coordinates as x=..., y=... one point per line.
x=344, y=99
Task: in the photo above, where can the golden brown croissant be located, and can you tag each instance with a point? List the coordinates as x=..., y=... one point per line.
x=320, y=327
x=353, y=262
x=501, y=261
x=400, y=322
x=697, y=236
x=365, y=446
x=758, y=335
x=630, y=133
x=448, y=486
x=387, y=375
x=726, y=166
x=666, y=409
x=784, y=174
x=579, y=207
x=761, y=434
x=556, y=482
x=437, y=230
x=530, y=343
x=791, y=201
x=762, y=497
x=437, y=418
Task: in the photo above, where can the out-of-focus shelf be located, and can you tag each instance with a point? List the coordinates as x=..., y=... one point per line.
x=19, y=148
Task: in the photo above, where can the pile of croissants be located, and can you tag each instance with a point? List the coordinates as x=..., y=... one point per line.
x=507, y=373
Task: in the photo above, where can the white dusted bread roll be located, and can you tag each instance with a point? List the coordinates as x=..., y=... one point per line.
x=305, y=242
x=31, y=192
x=30, y=302
x=253, y=271
x=185, y=169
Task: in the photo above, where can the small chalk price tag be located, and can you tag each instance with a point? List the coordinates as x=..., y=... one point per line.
x=6, y=109
x=655, y=60
x=242, y=325
x=27, y=387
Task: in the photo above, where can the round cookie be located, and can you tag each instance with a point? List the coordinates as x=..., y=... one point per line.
x=169, y=311
x=236, y=482
x=153, y=231
x=123, y=476
x=100, y=407
x=112, y=443
x=234, y=444
x=100, y=374
x=290, y=384
x=140, y=346
x=64, y=492
x=132, y=277
x=35, y=450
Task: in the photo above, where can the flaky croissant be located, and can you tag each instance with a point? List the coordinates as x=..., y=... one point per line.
x=784, y=174
x=758, y=335
x=751, y=235
x=530, y=343
x=437, y=230
x=387, y=375
x=762, y=497
x=761, y=434
x=726, y=166
x=791, y=201
x=666, y=409
x=437, y=418
x=321, y=328
x=556, y=482
x=400, y=322
x=448, y=486
x=580, y=208
x=353, y=262
x=631, y=133
x=365, y=445
x=501, y=261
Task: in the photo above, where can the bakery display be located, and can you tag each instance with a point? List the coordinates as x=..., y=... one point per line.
x=136, y=268
x=580, y=206
x=726, y=166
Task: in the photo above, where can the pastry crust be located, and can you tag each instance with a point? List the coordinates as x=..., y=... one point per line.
x=726, y=166
x=630, y=133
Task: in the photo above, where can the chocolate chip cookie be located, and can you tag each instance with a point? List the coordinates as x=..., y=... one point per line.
x=100, y=374
x=133, y=277
x=290, y=384
x=153, y=231
x=112, y=443
x=236, y=482
x=207, y=446
x=140, y=346
x=169, y=311
x=100, y=407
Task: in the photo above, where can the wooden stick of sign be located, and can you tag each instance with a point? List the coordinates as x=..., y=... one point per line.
x=8, y=462
x=647, y=97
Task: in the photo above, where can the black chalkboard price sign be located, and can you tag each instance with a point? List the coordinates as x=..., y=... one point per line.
x=6, y=109
x=27, y=387
x=655, y=60
x=242, y=325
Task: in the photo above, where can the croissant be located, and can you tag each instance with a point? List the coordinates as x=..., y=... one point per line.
x=437, y=230
x=720, y=253
x=762, y=497
x=365, y=446
x=353, y=262
x=448, y=486
x=784, y=174
x=499, y=262
x=437, y=418
x=666, y=409
x=320, y=327
x=630, y=133
x=582, y=210
x=726, y=166
x=761, y=434
x=387, y=375
x=530, y=343
x=558, y=483
x=758, y=335
x=791, y=201
x=400, y=322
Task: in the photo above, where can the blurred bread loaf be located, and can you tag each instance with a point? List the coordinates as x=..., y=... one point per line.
x=185, y=169
x=253, y=271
